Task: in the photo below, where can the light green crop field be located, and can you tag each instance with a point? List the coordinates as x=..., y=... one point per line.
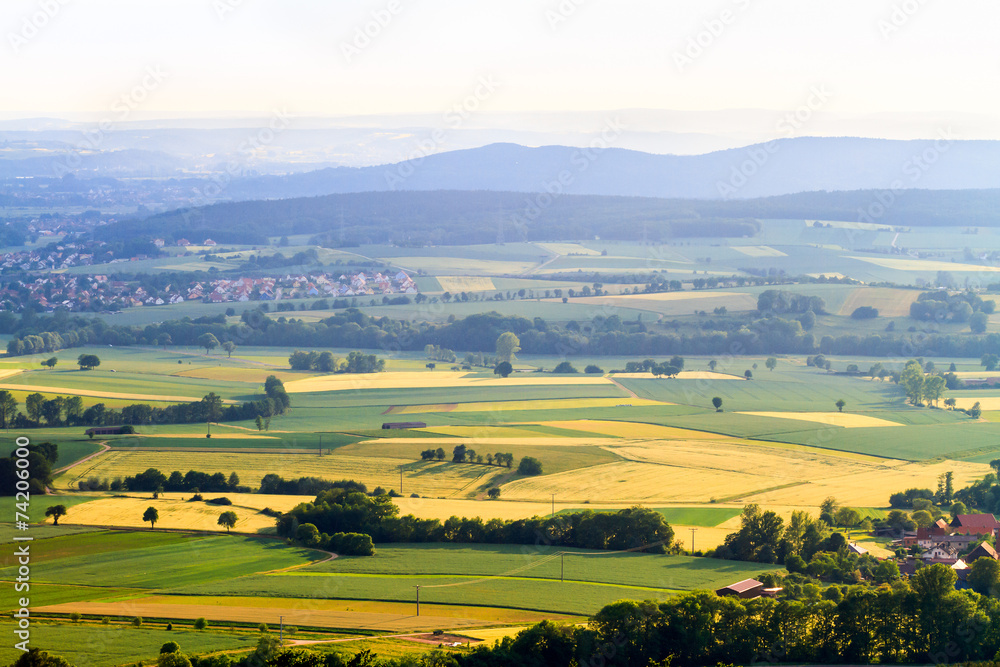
x=522, y=577
x=175, y=560
x=98, y=645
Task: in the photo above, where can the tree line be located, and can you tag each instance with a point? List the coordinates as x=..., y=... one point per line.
x=346, y=510
x=68, y=410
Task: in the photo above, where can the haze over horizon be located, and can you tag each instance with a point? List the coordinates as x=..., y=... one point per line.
x=734, y=73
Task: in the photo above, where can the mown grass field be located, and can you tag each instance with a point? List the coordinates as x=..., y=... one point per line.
x=108, y=645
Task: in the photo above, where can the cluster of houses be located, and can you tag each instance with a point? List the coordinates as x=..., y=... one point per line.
x=98, y=293
x=62, y=257
x=942, y=542
x=302, y=286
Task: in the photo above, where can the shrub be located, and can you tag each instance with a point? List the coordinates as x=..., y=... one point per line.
x=593, y=369
x=170, y=647
x=219, y=501
x=75, y=617
x=263, y=628
x=137, y=621
x=195, y=498
x=565, y=367
x=106, y=620
x=529, y=465
x=200, y=623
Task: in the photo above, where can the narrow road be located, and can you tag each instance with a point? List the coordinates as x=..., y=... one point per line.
x=84, y=459
x=623, y=387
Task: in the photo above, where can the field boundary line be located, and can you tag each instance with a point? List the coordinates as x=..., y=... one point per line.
x=107, y=448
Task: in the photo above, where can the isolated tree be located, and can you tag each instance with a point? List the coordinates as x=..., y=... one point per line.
x=55, y=512
x=508, y=345
x=208, y=341
x=989, y=361
x=439, y=454
x=50, y=362
x=493, y=493
x=978, y=322
x=152, y=516
x=529, y=465
x=503, y=369
x=229, y=346
x=88, y=361
x=712, y=364
x=717, y=403
x=840, y=404
x=771, y=363
x=200, y=623
x=748, y=374
x=213, y=406
x=976, y=411
x=227, y=519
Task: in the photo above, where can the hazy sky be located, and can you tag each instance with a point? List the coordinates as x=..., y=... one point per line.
x=213, y=57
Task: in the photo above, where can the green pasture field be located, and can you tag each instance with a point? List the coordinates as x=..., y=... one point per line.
x=769, y=392
x=42, y=531
x=970, y=441
x=555, y=459
x=705, y=517
x=97, y=645
x=175, y=561
x=591, y=581
x=37, y=507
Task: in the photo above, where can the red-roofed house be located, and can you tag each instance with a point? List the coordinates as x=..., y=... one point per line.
x=976, y=524
x=748, y=589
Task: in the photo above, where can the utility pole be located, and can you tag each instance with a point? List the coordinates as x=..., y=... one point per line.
x=692, y=540
x=321, y=444
x=418, y=600
x=281, y=629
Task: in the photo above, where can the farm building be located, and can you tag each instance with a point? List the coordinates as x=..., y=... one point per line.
x=388, y=425
x=748, y=589
x=976, y=524
x=109, y=430
x=984, y=550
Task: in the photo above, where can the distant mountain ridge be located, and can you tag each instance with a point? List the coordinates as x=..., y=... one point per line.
x=784, y=166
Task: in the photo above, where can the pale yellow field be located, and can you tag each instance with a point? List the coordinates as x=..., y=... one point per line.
x=697, y=472
x=295, y=613
x=538, y=441
x=683, y=375
x=985, y=402
x=890, y=302
x=254, y=375
x=425, y=478
x=758, y=251
x=900, y=264
x=672, y=296
x=71, y=391
x=567, y=249
x=846, y=224
x=416, y=379
x=456, y=284
x=507, y=406
x=7, y=372
x=460, y=265
x=218, y=435
x=634, y=430
x=482, y=431
x=844, y=419
x=872, y=489
x=174, y=513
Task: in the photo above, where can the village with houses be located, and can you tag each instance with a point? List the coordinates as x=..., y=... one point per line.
x=97, y=293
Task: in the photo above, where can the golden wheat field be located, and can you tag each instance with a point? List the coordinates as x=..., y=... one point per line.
x=683, y=375
x=424, y=478
x=568, y=249
x=173, y=512
x=844, y=419
x=456, y=284
x=508, y=406
x=254, y=375
x=985, y=402
x=758, y=251
x=78, y=391
x=890, y=302
x=900, y=264
x=634, y=430
x=417, y=379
